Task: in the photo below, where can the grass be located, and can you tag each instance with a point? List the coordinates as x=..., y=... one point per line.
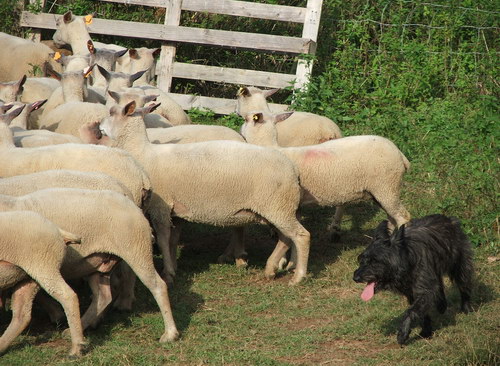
x=232, y=316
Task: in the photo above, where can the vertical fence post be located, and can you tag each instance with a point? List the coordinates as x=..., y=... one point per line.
x=311, y=28
x=36, y=34
x=167, y=56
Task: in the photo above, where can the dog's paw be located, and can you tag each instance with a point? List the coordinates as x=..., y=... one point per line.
x=404, y=331
x=426, y=333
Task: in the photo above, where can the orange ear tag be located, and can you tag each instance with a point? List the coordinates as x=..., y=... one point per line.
x=88, y=19
x=57, y=56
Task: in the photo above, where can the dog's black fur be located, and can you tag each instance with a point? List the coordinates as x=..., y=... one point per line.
x=413, y=260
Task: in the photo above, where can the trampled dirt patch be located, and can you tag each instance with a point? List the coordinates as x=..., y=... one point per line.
x=340, y=352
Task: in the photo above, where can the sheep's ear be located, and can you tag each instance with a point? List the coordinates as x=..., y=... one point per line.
x=150, y=108
x=5, y=107
x=88, y=19
x=398, y=237
x=36, y=105
x=156, y=52
x=150, y=98
x=268, y=93
x=120, y=53
x=258, y=118
x=49, y=71
x=90, y=47
x=381, y=232
x=129, y=109
x=133, y=53
x=243, y=91
x=137, y=75
x=282, y=116
x=114, y=95
x=16, y=112
x=104, y=72
x=68, y=17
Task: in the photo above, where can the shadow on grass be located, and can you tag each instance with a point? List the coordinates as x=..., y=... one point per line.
x=482, y=294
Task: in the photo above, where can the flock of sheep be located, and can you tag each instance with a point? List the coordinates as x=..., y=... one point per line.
x=70, y=208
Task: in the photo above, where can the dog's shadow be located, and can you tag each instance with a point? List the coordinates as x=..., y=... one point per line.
x=481, y=294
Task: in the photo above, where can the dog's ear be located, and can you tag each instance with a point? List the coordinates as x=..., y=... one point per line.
x=398, y=237
x=381, y=232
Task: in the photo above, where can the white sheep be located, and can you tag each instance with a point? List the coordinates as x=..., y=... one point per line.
x=32, y=250
x=73, y=30
x=151, y=120
x=299, y=129
x=111, y=227
x=106, y=59
x=19, y=57
x=20, y=185
x=217, y=182
x=35, y=138
x=142, y=59
x=67, y=117
x=185, y=134
x=340, y=171
x=114, y=162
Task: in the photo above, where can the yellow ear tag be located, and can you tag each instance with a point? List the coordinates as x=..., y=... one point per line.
x=255, y=117
x=88, y=19
x=87, y=72
x=57, y=56
x=240, y=91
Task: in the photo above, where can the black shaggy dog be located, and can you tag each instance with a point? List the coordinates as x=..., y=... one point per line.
x=412, y=261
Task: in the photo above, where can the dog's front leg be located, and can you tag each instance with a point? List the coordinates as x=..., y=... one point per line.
x=417, y=311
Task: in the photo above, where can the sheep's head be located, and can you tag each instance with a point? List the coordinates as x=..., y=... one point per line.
x=69, y=27
x=259, y=127
x=252, y=99
x=119, y=117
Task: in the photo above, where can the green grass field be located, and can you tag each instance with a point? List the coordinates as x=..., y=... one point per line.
x=233, y=316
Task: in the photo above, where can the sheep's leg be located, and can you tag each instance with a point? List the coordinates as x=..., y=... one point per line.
x=175, y=237
x=22, y=301
x=300, y=238
x=126, y=285
x=163, y=233
x=59, y=290
x=396, y=212
x=146, y=272
x=334, y=227
x=236, y=248
x=274, y=260
x=53, y=309
x=101, y=297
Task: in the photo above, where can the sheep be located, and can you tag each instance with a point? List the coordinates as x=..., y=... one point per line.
x=299, y=129
x=118, y=81
x=12, y=90
x=20, y=185
x=215, y=182
x=32, y=251
x=35, y=138
x=142, y=59
x=20, y=57
x=339, y=171
x=134, y=94
x=169, y=108
x=110, y=226
x=106, y=59
x=114, y=162
x=67, y=117
x=72, y=30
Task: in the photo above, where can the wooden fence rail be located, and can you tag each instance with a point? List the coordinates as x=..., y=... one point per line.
x=172, y=33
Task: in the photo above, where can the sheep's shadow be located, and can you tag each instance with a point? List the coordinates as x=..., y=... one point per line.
x=481, y=294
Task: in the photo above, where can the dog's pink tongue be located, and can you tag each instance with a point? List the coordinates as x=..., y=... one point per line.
x=368, y=292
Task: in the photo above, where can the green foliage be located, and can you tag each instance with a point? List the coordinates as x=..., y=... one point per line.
x=9, y=17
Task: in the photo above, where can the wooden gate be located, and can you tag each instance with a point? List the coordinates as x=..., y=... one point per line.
x=171, y=32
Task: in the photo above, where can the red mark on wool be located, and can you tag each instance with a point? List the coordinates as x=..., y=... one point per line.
x=314, y=154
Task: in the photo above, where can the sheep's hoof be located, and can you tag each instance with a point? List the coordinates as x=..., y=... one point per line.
x=123, y=304
x=77, y=350
x=291, y=266
x=241, y=262
x=269, y=275
x=169, y=336
x=282, y=263
x=296, y=279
